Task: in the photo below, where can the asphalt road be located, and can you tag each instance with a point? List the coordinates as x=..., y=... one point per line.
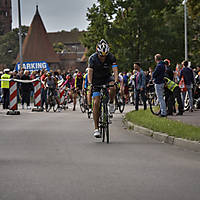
x=53, y=156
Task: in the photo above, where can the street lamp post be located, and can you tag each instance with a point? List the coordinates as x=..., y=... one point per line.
x=185, y=20
x=20, y=35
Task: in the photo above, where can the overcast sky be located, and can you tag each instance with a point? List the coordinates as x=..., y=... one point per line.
x=57, y=15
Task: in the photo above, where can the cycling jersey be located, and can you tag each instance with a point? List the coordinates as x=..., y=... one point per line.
x=86, y=80
x=78, y=82
x=50, y=82
x=101, y=71
x=70, y=83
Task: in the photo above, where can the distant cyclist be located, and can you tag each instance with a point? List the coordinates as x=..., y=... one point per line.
x=70, y=84
x=51, y=84
x=78, y=86
x=101, y=64
x=85, y=91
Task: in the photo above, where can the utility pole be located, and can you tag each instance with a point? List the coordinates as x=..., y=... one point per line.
x=20, y=35
x=185, y=20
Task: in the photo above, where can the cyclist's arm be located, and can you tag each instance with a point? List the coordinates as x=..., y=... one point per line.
x=115, y=71
x=90, y=75
x=45, y=83
x=83, y=85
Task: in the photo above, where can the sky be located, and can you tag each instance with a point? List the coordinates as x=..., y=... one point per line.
x=57, y=15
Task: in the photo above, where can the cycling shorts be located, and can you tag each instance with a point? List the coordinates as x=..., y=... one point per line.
x=96, y=91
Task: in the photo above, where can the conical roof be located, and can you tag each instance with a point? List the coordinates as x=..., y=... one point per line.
x=36, y=46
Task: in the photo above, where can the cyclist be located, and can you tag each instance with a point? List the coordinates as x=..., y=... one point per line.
x=51, y=82
x=100, y=64
x=78, y=86
x=70, y=83
x=126, y=89
x=85, y=92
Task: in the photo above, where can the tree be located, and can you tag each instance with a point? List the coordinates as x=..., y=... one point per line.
x=58, y=47
x=9, y=46
x=138, y=29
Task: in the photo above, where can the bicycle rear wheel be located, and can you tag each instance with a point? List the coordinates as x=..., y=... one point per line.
x=82, y=106
x=187, y=102
x=121, y=103
x=154, y=105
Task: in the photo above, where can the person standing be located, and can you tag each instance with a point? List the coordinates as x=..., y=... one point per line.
x=5, y=85
x=140, y=86
x=169, y=97
x=188, y=77
x=158, y=77
x=26, y=90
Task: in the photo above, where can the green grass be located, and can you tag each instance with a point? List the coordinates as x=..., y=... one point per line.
x=171, y=127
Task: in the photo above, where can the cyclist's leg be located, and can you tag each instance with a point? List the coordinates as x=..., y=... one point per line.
x=96, y=103
x=112, y=92
x=56, y=97
x=74, y=98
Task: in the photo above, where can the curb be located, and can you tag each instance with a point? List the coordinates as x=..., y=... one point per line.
x=162, y=137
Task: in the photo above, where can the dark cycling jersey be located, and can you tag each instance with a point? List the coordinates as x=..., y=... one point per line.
x=101, y=71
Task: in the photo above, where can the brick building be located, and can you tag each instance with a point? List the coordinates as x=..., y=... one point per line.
x=72, y=56
x=5, y=16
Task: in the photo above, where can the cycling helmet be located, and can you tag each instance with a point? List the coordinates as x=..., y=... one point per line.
x=167, y=62
x=79, y=75
x=86, y=70
x=102, y=48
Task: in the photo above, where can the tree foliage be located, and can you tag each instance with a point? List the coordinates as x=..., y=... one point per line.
x=138, y=29
x=9, y=46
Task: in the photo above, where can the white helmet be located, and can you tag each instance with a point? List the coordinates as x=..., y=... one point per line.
x=102, y=48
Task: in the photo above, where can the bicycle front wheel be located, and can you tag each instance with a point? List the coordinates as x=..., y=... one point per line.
x=106, y=123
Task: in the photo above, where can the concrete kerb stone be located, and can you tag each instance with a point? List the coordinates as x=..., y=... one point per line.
x=191, y=145
x=162, y=137
x=143, y=130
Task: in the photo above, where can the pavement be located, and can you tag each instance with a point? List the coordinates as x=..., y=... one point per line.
x=54, y=156
x=192, y=118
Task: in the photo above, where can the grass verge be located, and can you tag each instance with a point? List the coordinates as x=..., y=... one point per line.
x=171, y=127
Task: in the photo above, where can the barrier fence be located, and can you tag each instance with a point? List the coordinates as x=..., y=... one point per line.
x=13, y=103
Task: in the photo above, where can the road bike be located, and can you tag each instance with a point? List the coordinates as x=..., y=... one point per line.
x=153, y=100
x=66, y=101
x=119, y=101
x=196, y=95
x=51, y=100
x=104, y=116
x=84, y=104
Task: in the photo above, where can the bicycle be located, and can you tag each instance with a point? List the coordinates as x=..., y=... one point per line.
x=66, y=101
x=51, y=100
x=84, y=104
x=119, y=101
x=153, y=100
x=104, y=116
